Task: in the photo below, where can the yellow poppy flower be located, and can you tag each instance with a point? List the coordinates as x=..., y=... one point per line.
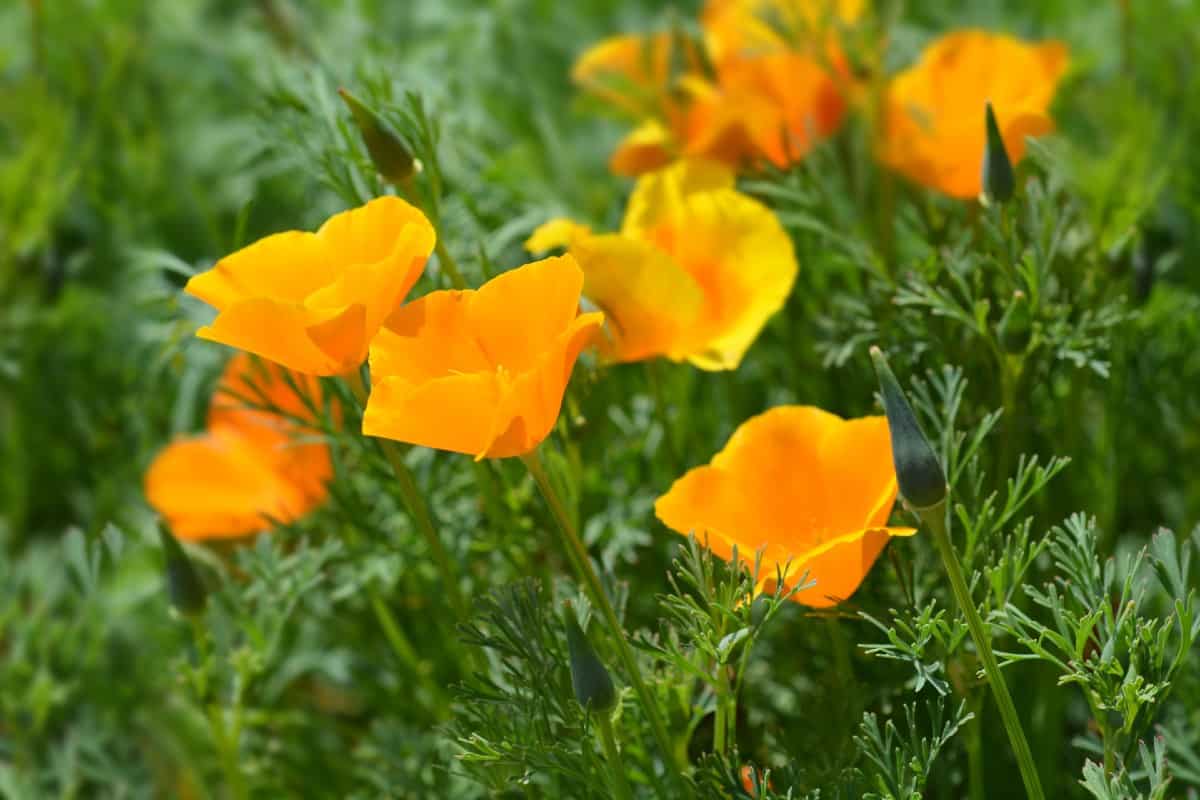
x=934, y=111
x=481, y=371
x=248, y=469
x=312, y=301
x=811, y=489
x=695, y=273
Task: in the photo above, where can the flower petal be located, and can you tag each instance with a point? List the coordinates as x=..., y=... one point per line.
x=285, y=266
x=530, y=407
x=651, y=303
x=454, y=412
x=558, y=232
x=279, y=332
x=517, y=315
x=429, y=338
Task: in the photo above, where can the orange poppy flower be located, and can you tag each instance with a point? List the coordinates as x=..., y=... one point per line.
x=934, y=111
x=774, y=85
x=312, y=301
x=247, y=470
x=481, y=371
x=695, y=273
x=806, y=486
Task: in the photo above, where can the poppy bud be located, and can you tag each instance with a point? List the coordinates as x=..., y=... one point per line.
x=388, y=151
x=593, y=686
x=998, y=180
x=184, y=586
x=920, y=476
x=1015, y=329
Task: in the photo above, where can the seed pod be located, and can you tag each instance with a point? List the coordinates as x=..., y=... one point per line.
x=388, y=151
x=184, y=586
x=999, y=183
x=920, y=476
x=593, y=685
x=1015, y=328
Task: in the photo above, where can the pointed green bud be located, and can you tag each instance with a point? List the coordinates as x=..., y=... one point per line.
x=184, y=586
x=999, y=183
x=593, y=685
x=1015, y=328
x=388, y=151
x=922, y=482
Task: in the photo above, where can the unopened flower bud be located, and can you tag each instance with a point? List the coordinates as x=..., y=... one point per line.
x=184, y=586
x=922, y=482
x=388, y=151
x=1015, y=328
x=593, y=685
x=999, y=183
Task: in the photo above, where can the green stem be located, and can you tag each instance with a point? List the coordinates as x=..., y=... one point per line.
x=620, y=786
x=723, y=728
x=417, y=508
x=975, y=750
x=226, y=744
x=655, y=379
x=935, y=519
x=449, y=265
x=578, y=556
x=405, y=651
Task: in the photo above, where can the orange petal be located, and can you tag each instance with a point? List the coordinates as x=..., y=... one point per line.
x=859, y=476
x=285, y=266
x=455, y=412
x=839, y=566
x=517, y=315
x=429, y=338
x=218, y=485
x=649, y=146
x=279, y=332
x=530, y=407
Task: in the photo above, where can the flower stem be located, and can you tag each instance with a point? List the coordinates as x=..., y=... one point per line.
x=620, y=786
x=578, y=556
x=449, y=265
x=417, y=508
x=404, y=650
x=935, y=519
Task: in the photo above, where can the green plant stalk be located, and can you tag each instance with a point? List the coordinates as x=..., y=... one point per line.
x=620, y=786
x=723, y=728
x=227, y=743
x=935, y=519
x=404, y=650
x=417, y=508
x=578, y=556
x=449, y=265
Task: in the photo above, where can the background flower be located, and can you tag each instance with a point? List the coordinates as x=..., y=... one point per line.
x=247, y=471
x=934, y=110
x=807, y=486
x=696, y=271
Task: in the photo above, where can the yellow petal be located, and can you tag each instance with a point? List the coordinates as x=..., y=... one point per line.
x=558, y=232
x=279, y=332
x=284, y=266
x=658, y=196
x=649, y=146
x=652, y=304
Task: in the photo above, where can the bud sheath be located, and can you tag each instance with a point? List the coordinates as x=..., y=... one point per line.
x=920, y=476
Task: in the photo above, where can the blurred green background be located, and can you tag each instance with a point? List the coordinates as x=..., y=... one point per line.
x=140, y=141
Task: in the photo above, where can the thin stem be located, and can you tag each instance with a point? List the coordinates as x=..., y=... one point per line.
x=578, y=556
x=723, y=727
x=227, y=744
x=404, y=650
x=654, y=377
x=415, y=503
x=935, y=519
x=620, y=786
x=449, y=265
